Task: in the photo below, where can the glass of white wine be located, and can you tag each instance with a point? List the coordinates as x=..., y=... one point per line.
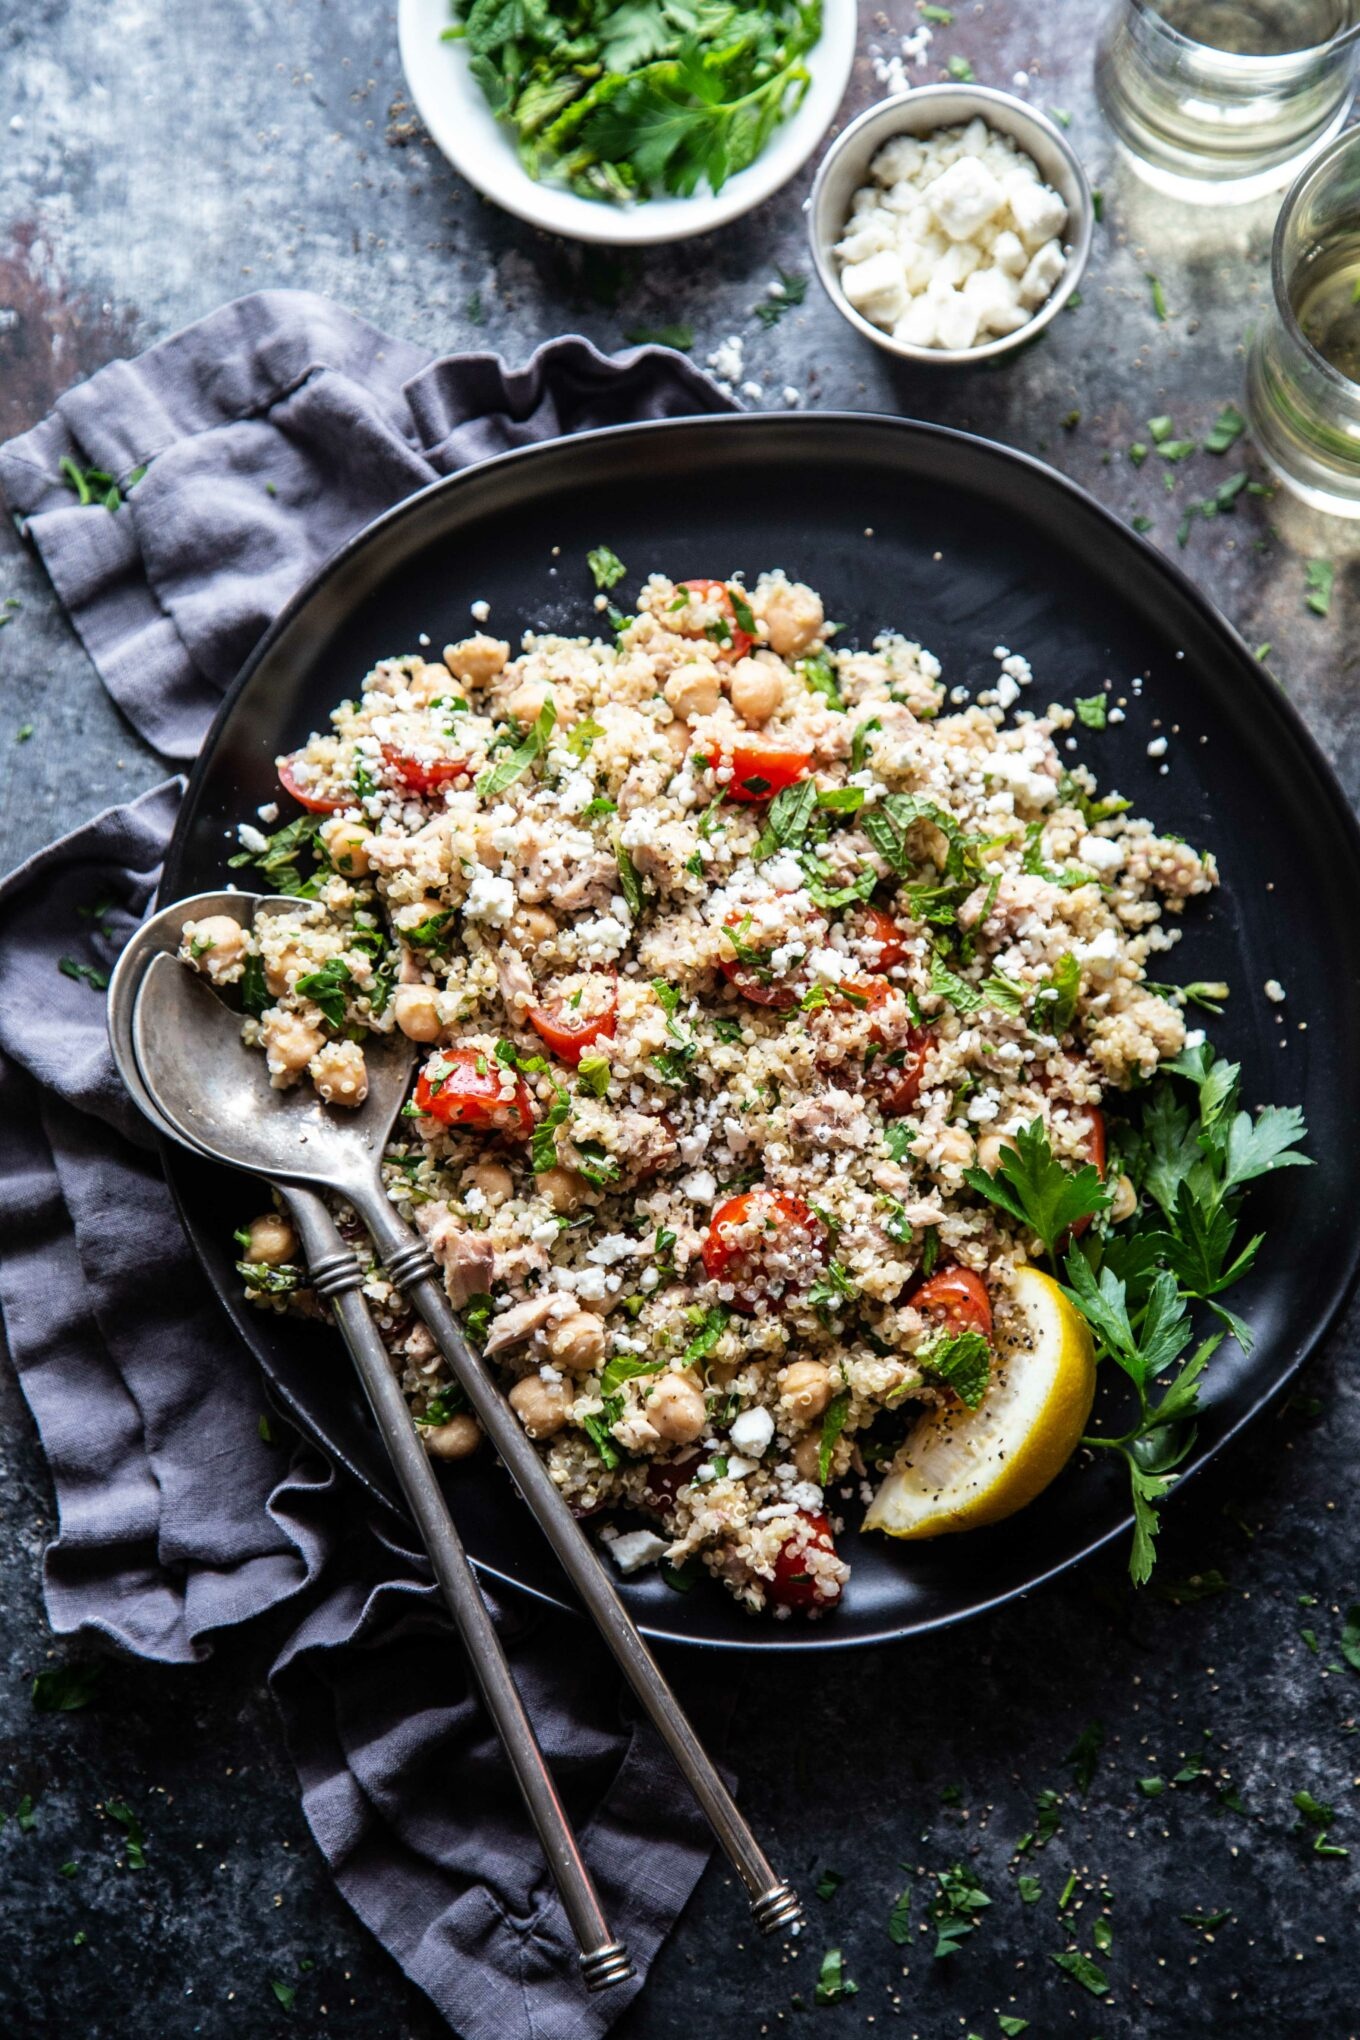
x=1226, y=99
x=1303, y=370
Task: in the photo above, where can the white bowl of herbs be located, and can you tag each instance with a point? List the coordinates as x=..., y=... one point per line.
x=627, y=121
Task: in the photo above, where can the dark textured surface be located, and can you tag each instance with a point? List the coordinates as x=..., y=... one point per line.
x=155, y=160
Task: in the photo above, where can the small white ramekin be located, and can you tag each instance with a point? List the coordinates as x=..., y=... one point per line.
x=845, y=167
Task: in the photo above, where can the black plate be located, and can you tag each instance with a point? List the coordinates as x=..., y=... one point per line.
x=964, y=545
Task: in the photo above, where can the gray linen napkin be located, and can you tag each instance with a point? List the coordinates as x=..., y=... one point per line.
x=174, y=1519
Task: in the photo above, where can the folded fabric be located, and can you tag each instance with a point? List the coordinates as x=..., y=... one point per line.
x=269, y=433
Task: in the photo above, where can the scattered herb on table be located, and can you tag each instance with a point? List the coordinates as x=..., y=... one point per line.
x=828, y=1884
x=1225, y=431
x=681, y=338
x=1319, y=579
x=956, y=1910
x=960, y=70
x=83, y=973
x=1158, y=298
x=96, y=485
x=284, y=1992
x=1092, y=709
x=1084, y=1755
x=620, y=102
x=119, y=1810
x=832, y=1982
x=899, y=1919
x=1084, y=1971
x=791, y=291
x=64, y=1688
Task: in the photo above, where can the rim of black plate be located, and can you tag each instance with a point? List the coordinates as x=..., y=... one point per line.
x=1269, y=700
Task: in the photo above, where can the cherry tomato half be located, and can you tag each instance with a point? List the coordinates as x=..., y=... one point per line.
x=664, y=1482
x=779, y=1259
x=567, y=1035
x=315, y=803
x=890, y=936
x=759, y=771
x=1096, y=1152
x=418, y=775
x=958, y=1298
x=756, y=982
x=715, y=595
x=897, y=1085
x=465, y=1090
x=895, y=1078
x=793, y=1586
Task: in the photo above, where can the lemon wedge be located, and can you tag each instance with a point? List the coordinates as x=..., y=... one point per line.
x=961, y=1468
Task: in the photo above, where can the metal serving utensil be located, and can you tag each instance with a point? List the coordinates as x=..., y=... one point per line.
x=219, y=1099
x=335, y=1274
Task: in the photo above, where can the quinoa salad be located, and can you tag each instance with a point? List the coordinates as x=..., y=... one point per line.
x=729, y=953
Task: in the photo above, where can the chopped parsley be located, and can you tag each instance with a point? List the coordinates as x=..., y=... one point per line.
x=119, y=1810
x=1319, y=579
x=1084, y=1971
x=328, y=988
x=516, y=762
x=1225, y=431
x=956, y=1909
x=606, y=567
x=833, y=1423
x=960, y=70
x=83, y=973
x=1091, y=710
x=771, y=309
x=962, y=1361
x=62, y=1689
x=279, y=861
x=833, y=1985
x=1158, y=298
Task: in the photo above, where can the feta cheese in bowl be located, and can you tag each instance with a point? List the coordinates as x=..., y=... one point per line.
x=950, y=224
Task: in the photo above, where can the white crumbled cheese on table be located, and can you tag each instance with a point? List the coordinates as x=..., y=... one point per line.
x=956, y=240
x=269, y=812
x=1274, y=991
x=479, y=611
x=491, y=898
x=1157, y=748
x=727, y=362
x=251, y=838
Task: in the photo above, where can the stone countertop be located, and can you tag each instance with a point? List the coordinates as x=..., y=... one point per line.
x=155, y=160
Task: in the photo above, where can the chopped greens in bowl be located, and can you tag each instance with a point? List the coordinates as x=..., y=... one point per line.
x=626, y=101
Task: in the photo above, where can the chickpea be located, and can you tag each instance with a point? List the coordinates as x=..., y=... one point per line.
x=427, y=683
x=677, y=737
x=493, y=1179
x=807, y=1457
x=793, y=617
x=216, y=947
x=416, y=1012
x=533, y=928
x=483, y=837
x=955, y=1144
x=693, y=690
x=541, y=1406
x=805, y=1388
x=528, y=702
x=284, y=968
x=757, y=690
x=1125, y=1200
x=272, y=1240
x=420, y=1348
x=347, y=844
x=564, y=1189
x=578, y=1343
x=290, y=1042
x=477, y=659
x=454, y=1440
x=340, y=1073
x=675, y=1410
x=990, y=1150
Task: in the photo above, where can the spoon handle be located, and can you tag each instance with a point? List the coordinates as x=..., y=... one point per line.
x=409, y=1263
x=335, y=1275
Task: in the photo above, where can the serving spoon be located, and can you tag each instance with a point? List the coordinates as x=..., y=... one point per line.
x=334, y=1273
x=219, y=1100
